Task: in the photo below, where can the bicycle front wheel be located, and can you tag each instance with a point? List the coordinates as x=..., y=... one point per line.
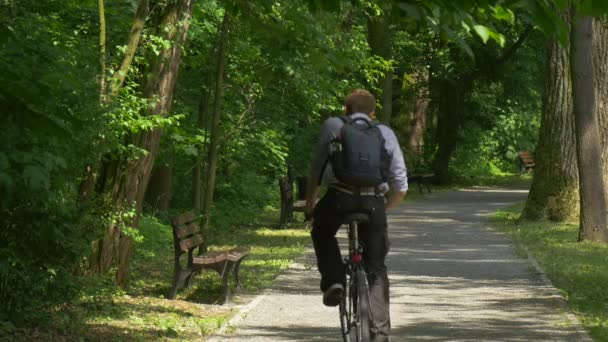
x=363, y=307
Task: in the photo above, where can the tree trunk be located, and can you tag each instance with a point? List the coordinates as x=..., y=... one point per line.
x=197, y=184
x=158, y=193
x=420, y=105
x=212, y=153
x=379, y=40
x=600, y=64
x=452, y=97
x=554, y=191
x=102, y=51
x=593, y=224
x=88, y=181
x=141, y=13
x=124, y=183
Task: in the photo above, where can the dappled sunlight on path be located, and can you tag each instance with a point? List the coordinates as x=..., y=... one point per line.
x=452, y=278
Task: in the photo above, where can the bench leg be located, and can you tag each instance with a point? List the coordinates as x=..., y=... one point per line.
x=179, y=278
x=189, y=278
x=238, y=288
x=225, y=274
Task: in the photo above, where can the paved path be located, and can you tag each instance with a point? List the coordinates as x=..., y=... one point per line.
x=452, y=279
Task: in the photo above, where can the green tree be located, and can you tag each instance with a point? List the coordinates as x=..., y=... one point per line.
x=593, y=223
x=554, y=192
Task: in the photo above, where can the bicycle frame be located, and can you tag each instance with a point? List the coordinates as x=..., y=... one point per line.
x=354, y=308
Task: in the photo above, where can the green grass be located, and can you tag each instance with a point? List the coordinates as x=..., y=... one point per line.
x=495, y=179
x=272, y=251
x=141, y=312
x=578, y=270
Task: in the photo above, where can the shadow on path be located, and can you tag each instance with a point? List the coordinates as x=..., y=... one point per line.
x=452, y=278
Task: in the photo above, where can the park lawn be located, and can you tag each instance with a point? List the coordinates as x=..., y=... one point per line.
x=578, y=270
x=141, y=312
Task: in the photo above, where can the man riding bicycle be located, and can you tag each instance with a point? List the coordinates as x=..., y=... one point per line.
x=380, y=169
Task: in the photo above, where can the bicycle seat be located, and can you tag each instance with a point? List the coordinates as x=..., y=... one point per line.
x=359, y=217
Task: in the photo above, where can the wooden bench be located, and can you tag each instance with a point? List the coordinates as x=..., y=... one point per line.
x=287, y=201
x=187, y=237
x=421, y=179
x=526, y=161
x=290, y=203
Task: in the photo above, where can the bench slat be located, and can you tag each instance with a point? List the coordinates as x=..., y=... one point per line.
x=211, y=257
x=183, y=218
x=526, y=158
x=237, y=253
x=194, y=241
x=299, y=205
x=190, y=229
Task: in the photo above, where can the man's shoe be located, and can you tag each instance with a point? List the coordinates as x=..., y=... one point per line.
x=333, y=295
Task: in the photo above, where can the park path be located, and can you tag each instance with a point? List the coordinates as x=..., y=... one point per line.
x=452, y=279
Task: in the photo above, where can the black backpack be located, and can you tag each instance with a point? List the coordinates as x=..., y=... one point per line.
x=357, y=155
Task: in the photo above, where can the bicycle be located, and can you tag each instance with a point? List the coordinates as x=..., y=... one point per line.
x=355, y=306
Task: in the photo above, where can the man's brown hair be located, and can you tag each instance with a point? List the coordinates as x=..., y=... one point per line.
x=360, y=101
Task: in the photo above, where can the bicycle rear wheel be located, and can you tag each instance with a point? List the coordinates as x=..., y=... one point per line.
x=362, y=307
x=345, y=316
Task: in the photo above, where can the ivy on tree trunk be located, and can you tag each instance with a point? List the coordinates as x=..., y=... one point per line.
x=122, y=182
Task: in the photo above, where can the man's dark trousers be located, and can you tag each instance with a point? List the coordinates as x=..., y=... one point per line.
x=328, y=216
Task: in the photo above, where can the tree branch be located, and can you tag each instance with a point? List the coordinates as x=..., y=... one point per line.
x=513, y=48
x=136, y=31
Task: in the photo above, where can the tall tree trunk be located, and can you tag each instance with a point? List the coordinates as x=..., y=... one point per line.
x=554, y=192
x=452, y=105
x=174, y=27
x=89, y=178
x=197, y=184
x=158, y=193
x=593, y=223
x=600, y=64
x=118, y=78
x=124, y=184
x=420, y=106
x=379, y=40
x=212, y=152
x=102, y=51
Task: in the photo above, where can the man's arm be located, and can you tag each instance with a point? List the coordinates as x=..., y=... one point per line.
x=312, y=192
x=397, y=172
x=394, y=197
x=319, y=161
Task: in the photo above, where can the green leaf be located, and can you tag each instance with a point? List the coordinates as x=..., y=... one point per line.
x=505, y=14
x=191, y=150
x=482, y=31
x=499, y=38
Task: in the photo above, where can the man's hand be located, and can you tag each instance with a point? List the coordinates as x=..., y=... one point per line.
x=394, y=198
x=308, y=215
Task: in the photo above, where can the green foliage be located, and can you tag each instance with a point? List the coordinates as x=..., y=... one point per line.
x=502, y=114
x=288, y=69
x=43, y=243
x=49, y=100
x=578, y=270
x=240, y=201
